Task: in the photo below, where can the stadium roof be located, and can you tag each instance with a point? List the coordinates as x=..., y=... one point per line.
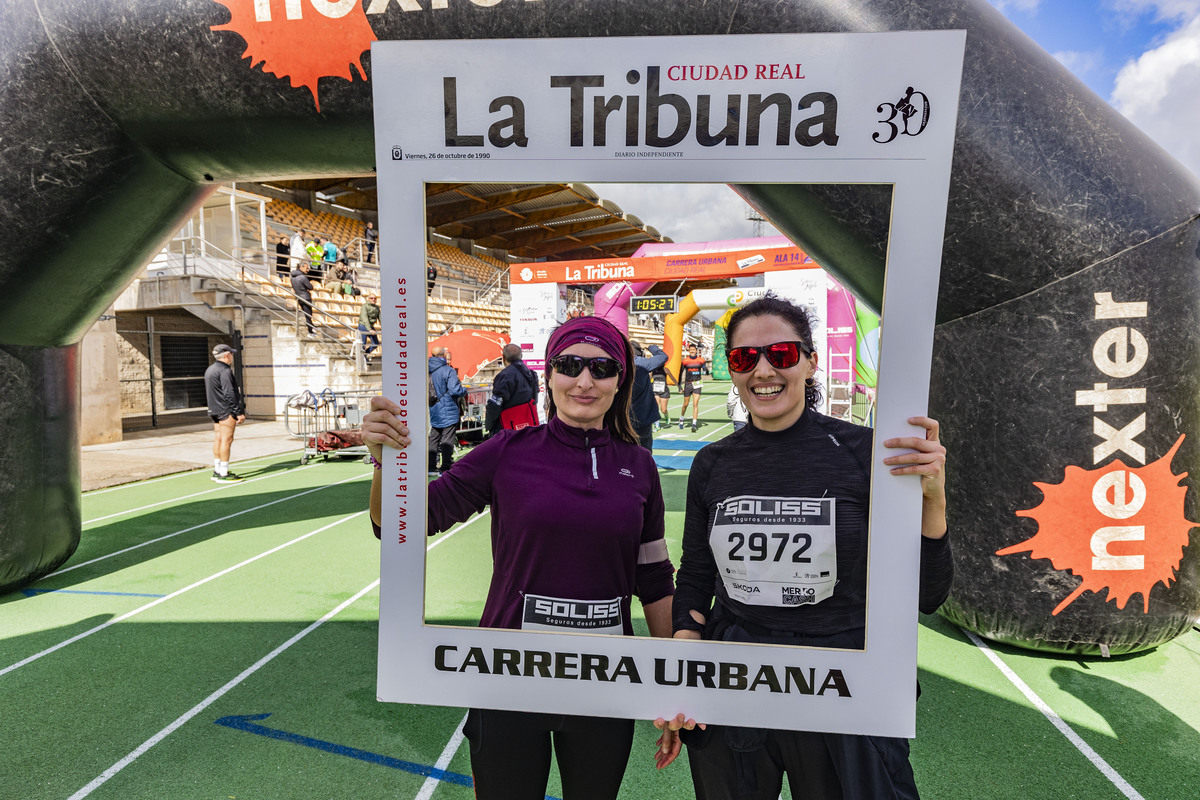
x=554, y=221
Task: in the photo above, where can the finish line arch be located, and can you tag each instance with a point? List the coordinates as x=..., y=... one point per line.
x=121, y=116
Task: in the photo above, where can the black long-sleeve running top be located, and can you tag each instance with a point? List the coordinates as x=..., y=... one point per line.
x=776, y=528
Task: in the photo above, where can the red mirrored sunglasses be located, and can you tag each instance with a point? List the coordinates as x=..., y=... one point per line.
x=781, y=355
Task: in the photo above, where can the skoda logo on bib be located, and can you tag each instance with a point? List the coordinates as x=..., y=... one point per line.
x=776, y=551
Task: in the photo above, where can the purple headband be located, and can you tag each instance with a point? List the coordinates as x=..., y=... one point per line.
x=591, y=330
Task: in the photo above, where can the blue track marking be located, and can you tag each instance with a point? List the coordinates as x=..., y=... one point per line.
x=679, y=444
x=246, y=722
x=673, y=462
x=32, y=592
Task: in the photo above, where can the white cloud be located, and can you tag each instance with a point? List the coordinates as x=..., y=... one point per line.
x=1025, y=6
x=1161, y=9
x=1158, y=91
x=684, y=212
x=1081, y=64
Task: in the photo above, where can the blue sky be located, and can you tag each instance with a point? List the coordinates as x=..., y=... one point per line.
x=1092, y=39
x=1141, y=56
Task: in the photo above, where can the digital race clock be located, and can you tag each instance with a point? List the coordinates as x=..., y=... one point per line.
x=654, y=304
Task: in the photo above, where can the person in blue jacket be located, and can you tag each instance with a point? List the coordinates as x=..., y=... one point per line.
x=443, y=411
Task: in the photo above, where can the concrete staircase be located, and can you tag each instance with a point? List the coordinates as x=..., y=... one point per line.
x=277, y=361
x=279, y=364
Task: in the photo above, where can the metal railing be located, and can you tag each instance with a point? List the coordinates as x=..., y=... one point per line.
x=498, y=284
x=229, y=275
x=359, y=246
x=480, y=296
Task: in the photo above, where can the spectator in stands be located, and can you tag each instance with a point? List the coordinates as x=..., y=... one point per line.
x=444, y=391
x=368, y=318
x=316, y=259
x=329, y=254
x=303, y=288
x=297, y=248
x=643, y=411
x=344, y=279
x=372, y=236
x=430, y=278
x=513, y=402
x=226, y=408
x=282, y=251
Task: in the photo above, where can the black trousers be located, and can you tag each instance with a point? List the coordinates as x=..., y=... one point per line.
x=819, y=766
x=307, y=308
x=646, y=437
x=510, y=754
x=441, y=441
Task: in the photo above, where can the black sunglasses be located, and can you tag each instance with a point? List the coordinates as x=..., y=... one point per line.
x=781, y=355
x=600, y=368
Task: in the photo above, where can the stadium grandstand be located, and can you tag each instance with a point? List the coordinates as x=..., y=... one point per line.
x=220, y=279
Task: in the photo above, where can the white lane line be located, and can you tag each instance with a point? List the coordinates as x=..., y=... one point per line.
x=172, y=595
x=443, y=762
x=704, y=411
x=190, y=496
x=479, y=516
x=201, y=525
x=1083, y=747
x=212, y=698
x=183, y=474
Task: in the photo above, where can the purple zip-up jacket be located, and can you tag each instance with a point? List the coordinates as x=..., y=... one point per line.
x=575, y=514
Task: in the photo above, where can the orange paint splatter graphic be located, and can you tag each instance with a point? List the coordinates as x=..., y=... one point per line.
x=304, y=40
x=1117, y=528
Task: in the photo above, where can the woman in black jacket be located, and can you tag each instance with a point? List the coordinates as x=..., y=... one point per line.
x=797, y=576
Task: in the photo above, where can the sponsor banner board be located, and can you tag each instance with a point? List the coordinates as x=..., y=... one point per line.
x=690, y=266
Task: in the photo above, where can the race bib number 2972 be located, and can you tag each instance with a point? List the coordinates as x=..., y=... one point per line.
x=776, y=551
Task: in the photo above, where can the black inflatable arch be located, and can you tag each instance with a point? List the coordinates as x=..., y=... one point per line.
x=118, y=116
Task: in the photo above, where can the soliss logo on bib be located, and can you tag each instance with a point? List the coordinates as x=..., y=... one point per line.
x=578, y=616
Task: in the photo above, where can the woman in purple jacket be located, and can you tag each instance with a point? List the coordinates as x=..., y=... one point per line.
x=603, y=544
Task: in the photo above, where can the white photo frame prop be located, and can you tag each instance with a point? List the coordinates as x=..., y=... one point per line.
x=865, y=108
